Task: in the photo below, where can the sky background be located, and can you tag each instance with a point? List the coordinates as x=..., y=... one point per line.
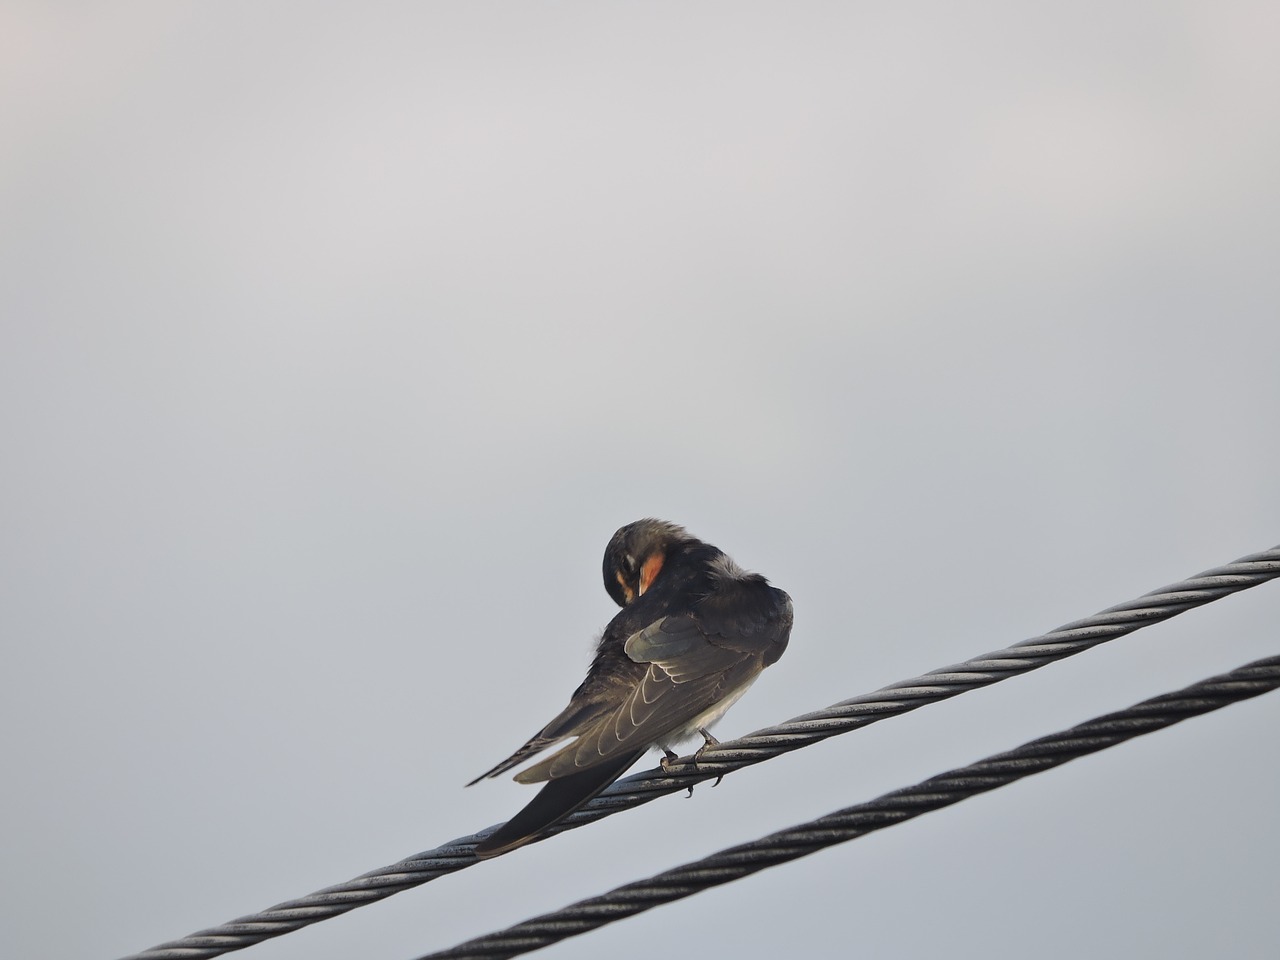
x=337, y=342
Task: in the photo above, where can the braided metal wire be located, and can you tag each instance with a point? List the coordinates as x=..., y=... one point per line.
x=859, y=820
x=730, y=755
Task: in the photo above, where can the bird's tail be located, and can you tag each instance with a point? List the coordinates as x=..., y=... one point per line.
x=554, y=802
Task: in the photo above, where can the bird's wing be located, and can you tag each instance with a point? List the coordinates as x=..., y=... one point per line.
x=750, y=617
x=563, y=725
x=694, y=661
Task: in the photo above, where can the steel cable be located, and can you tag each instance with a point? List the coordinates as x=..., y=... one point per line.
x=731, y=755
x=864, y=818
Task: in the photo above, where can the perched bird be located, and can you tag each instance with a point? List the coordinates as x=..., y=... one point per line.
x=694, y=632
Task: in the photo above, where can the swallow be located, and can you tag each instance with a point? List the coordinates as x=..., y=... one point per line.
x=694, y=632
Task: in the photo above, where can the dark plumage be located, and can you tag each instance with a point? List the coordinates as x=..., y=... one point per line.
x=694, y=631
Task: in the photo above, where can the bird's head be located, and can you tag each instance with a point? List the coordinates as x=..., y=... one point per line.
x=635, y=556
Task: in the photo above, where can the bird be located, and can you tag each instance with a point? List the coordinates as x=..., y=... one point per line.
x=694, y=632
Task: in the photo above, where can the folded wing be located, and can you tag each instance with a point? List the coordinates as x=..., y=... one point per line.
x=695, y=660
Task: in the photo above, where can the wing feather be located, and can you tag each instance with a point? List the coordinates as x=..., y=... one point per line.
x=694, y=660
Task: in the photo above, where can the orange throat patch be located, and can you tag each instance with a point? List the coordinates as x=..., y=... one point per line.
x=626, y=587
x=651, y=567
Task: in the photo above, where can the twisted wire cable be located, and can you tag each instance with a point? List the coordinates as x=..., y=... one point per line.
x=864, y=818
x=731, y=755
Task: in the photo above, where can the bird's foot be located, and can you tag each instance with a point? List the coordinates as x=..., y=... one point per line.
x=669, y=757
x=708, y=741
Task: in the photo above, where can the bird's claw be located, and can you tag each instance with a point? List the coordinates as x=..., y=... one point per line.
x=669, y=758
x=708, y=741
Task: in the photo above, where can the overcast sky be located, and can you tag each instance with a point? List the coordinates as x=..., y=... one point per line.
x=337, y=343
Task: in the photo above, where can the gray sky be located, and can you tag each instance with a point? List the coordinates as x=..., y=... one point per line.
x=337, y=343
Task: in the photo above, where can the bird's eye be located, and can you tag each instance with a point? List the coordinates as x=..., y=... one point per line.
x=629, y=562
